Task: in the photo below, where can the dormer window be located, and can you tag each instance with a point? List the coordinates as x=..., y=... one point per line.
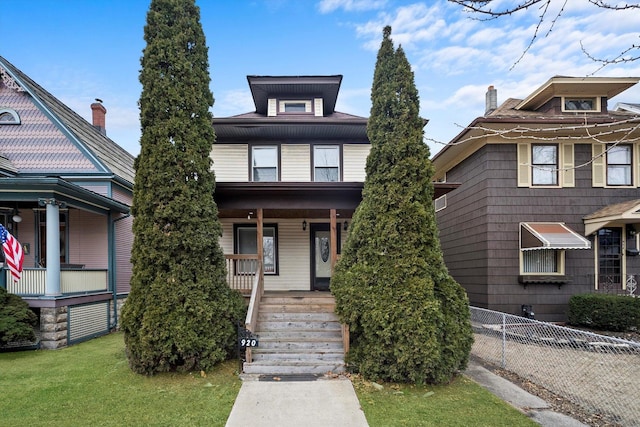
x=580, y=104
x=295, y=106
x=9, y=117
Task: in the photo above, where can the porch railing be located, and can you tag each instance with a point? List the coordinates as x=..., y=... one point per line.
x=241, y=271
x=34, y=281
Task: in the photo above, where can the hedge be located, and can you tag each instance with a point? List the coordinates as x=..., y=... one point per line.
x=604, y=311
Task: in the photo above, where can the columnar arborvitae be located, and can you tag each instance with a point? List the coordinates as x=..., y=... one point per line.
x=180, y=314
x=409, y=320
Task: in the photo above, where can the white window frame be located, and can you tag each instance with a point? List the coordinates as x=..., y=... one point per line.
x=440, y=203
x=541, y=254
x=596, y=104
x=8, y=112
x=254, y=166
x=332, y=167
x=308, y=106
x=538, y=167
x=608, y=165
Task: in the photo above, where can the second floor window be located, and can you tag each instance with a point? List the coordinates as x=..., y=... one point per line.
x=544, y=162
x=619, y=165
x=326, y=163
x=264, y=163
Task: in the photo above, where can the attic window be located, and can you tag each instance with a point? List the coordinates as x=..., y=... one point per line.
x=9, y=117
x=580, y=104
x=295, y=106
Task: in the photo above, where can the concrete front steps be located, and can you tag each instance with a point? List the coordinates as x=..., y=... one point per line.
x=298, y=333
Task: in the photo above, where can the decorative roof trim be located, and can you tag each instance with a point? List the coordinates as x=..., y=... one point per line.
x=9, y=81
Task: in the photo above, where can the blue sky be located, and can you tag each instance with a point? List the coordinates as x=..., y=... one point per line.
x=80, y=50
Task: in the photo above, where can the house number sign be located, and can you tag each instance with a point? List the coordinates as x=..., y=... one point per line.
x=246, y=338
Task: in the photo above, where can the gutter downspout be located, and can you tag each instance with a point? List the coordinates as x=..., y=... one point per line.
x=112, y=269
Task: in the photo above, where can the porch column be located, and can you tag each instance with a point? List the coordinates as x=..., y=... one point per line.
x=52, y=287
x=260, y=234
x=334, y=238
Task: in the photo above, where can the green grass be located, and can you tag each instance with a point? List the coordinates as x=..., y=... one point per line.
x=461, y=403
x=91, y=384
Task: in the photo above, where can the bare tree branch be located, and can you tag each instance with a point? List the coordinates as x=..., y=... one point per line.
x=484, y=9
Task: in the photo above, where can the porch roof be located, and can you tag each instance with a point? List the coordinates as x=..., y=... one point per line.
x=36, y=188
x=296, y=199
x=620, y=213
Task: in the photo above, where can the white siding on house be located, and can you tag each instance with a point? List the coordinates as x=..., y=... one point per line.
x=296, y=163
x=294, y=266
x=318, y=107
x=231, y=162
x=354, y=161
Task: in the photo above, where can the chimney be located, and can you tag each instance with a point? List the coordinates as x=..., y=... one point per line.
x=99, y=113
x=491, y=102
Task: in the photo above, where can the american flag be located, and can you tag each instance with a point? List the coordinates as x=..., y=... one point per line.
x=13, y=255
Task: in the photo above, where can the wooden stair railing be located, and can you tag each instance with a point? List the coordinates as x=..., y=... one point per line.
x=257, y=291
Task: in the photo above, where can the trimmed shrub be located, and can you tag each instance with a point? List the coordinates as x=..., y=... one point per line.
x=16, y=319
x=408, y=318
x=607, y=312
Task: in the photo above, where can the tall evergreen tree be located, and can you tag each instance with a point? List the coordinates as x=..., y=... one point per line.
x=409, y=319
x=180, y=314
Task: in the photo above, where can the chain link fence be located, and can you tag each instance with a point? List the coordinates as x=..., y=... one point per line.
x=601, y=374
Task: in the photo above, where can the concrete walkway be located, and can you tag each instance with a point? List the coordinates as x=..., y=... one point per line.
x=319, y=403
x=333, y=402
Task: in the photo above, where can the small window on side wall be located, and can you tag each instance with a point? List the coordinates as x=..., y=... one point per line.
x=542, y=261
x=9, y=117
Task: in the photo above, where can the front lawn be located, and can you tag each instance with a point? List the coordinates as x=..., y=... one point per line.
x=91, y=384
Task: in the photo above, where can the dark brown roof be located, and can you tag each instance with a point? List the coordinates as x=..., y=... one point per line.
x=109, y=155
x=265, y=87
x=257, y=126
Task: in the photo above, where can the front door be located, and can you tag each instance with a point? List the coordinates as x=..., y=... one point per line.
x=320, y=257
x=610, y=258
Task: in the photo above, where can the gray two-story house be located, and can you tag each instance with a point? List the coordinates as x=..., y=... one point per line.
x=549, y=201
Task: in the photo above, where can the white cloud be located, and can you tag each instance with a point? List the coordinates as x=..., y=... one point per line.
x=328, y=6
x=233, y=102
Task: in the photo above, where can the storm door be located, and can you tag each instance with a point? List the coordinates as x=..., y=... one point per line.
x=321, y=256
x=610, y=258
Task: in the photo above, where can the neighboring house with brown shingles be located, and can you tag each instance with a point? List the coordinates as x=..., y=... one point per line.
x=63, y=179
x=549, y=201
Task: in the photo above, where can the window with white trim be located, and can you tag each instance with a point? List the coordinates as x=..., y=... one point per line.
x=264, y=163
x=440, y=203
x=297, y=106
x=544, y=164
x=326, y=163
x=619, y=165
x=542, y=261
x=580, y=104
x=9, y=117
x=246, y=242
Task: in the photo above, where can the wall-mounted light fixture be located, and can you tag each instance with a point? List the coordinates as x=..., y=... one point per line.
x=249, y=215
x=16, y=216
x=345, y=225
x=304, y=225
